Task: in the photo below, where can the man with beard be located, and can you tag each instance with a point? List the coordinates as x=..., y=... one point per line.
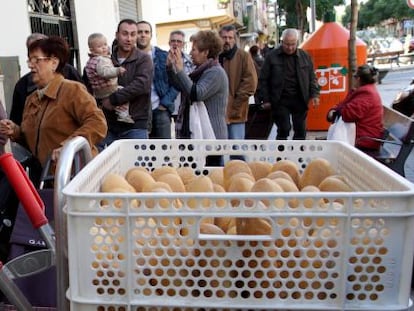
x=136, y=82
x=242, y=76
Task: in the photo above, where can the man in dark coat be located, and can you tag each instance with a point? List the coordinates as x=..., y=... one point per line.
x=287, y=83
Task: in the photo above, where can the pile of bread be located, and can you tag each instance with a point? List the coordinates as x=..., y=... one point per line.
x=235, y=176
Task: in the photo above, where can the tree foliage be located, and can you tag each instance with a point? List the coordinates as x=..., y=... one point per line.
x=373, y=12
x=295, y=11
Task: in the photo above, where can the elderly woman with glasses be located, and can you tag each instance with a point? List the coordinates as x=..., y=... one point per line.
x=58, y=110
x=363, y=106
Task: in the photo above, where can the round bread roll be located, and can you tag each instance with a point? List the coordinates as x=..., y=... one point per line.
x=279, y=174
x=207, y=220
x=136, y=168
x=217, y=176
x=206, y=228
x=186, y=173
x=310, y=188
x=233, y=167
x=156, y=185
x=163, y=203
x=266, y=185
x=334, y=183
x=219, y=188
x=309, y=202
x=241, y=184
x=174, y=180
x=158, y=171
x=316, y=171
x=260, y=169
x=289, y=167
x=114, y=180
x=232, y=230
x=253, y=226
x=288, y=186
x=239, y=176
x=119, y=202
x=225, y=223
x=139, y=178
x=200, y=184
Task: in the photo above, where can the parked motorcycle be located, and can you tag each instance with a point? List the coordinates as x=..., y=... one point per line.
x=404, y=101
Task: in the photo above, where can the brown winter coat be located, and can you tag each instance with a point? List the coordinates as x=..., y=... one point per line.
x=242, y=84
x=65, y=111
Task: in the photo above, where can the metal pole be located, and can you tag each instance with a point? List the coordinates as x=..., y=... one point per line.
x=313, y=15
x=276, y=23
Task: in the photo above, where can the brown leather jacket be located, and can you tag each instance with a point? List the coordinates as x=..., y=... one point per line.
x=65, y=111
x=242, y=84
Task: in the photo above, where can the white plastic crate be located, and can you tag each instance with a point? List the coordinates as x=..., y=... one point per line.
x=354, y=252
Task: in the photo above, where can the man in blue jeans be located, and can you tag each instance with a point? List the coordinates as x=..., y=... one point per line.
x=136, y=82
x=163, y=94
x=242, y=75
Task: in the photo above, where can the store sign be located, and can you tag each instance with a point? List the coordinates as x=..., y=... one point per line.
x=410, y=3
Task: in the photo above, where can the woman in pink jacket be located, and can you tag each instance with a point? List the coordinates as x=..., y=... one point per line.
x=363, y=106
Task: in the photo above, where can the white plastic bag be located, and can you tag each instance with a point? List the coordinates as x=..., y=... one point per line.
x=342, y=131
x=200, y=125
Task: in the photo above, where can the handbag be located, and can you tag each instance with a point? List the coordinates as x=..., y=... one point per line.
x=342, y=131
x=200, y=125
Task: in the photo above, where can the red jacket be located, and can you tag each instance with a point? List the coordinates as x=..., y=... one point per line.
x=364, y=107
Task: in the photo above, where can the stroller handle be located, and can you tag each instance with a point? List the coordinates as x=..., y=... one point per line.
x=25, y=190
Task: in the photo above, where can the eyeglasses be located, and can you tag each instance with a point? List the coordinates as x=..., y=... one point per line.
x=36, y=59
x=176, y=41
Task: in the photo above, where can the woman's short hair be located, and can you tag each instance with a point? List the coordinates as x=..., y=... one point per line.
x=53, y=46
x=208, y=40
x=367, y=74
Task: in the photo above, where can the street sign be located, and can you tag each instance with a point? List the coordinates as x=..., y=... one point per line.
x=410, y=3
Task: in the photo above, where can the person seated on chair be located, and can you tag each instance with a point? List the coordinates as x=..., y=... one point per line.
x=363, y=106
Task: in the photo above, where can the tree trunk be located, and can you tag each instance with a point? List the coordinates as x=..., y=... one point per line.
x=300, y=19
x=352, y=56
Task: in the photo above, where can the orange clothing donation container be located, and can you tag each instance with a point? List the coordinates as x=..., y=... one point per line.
x=328, y=47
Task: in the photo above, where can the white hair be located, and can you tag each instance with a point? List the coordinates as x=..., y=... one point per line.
x=290, y=32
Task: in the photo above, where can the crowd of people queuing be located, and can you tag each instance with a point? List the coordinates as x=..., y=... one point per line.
x=133, y=90
x=143, y=90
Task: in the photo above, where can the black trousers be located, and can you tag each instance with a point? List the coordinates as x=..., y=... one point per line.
x=287, y=109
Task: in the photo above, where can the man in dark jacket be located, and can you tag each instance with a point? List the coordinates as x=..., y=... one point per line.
x=136, y=82
x=163, y=94
x=287, y=84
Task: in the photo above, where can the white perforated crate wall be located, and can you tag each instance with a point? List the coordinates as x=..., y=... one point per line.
x=328, y=251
